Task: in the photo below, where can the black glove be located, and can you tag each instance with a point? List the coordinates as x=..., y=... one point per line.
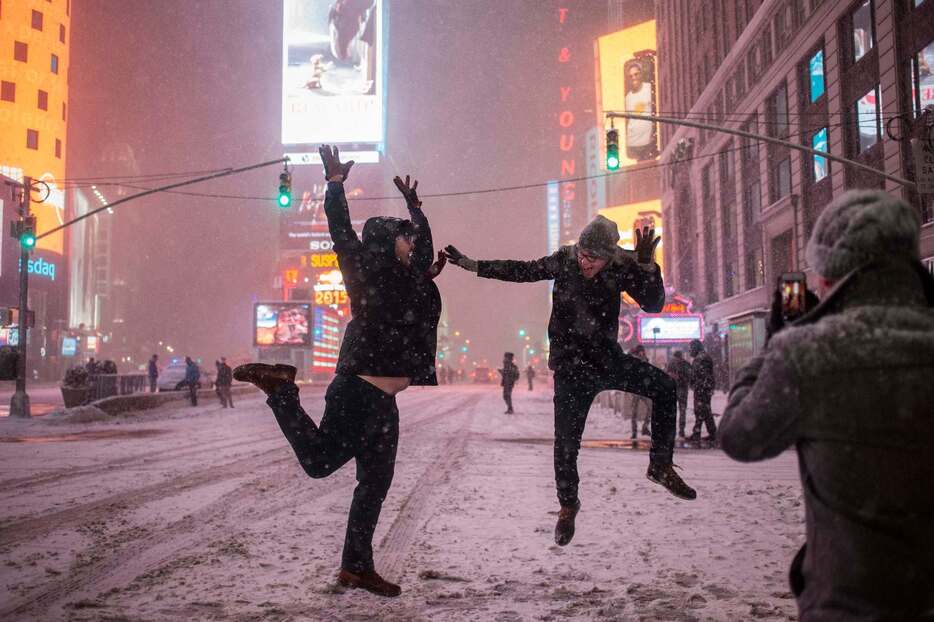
x=776, y=321
x=330, y=157
x=411, y=196
x=646, y=242
x=460, y=259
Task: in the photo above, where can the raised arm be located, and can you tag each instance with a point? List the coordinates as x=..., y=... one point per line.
x=510, y=269
x=346, y=243
x=424, y=251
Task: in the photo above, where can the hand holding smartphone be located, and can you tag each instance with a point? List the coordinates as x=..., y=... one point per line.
x=792, y=287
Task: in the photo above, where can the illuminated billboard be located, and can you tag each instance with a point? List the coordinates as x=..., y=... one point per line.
x=670, y=328
x=626, y=62
x=332, y=73
x=634, y=216
x=281, y=324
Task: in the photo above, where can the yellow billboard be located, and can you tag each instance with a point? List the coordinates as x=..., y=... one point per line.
x=626, y=66
x=634, y=216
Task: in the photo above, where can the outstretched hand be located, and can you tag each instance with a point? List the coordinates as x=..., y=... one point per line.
x=408, y=191
x=460, y=259
x=435, y=269
x=646, y=243
x=330, y=157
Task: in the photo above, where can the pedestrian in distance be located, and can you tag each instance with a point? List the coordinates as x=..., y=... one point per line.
x=703, y=381
x=530, y=375
x=153, y=371
x=389, y=344
x=640, y=408
x=509, y=376
x=849, y=386
x=92, y=367
x=585, y=356
x=192, y=380
x=223, y=382
x=680, y=370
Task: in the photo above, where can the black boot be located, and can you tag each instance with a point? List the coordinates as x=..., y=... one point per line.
x=564, y=529
x=666, y=476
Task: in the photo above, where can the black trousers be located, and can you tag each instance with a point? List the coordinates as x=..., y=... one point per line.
x=575, y=390
x=152, y=383
x=193, y=393
x=507, y=395
x=703, y=414
x=682, y=409
x=359, y=422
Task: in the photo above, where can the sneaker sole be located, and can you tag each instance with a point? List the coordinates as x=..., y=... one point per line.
x=670, y=491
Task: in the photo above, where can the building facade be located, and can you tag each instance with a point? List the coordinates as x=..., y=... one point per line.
x=850, y=78
x=34, y=63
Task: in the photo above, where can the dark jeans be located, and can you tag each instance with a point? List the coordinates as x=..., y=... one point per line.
x=575, y=389
x=223, y=392
x=530, y=384
x=507, y=396
x=682, y=410
x=702, y=414
x=193, y=393
x=359, y=422
x=152, y=383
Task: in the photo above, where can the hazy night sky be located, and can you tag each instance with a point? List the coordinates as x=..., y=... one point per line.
x=194, y=85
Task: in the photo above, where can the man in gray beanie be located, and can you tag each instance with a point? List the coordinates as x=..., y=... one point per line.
x=851, y=386
x=589, y=278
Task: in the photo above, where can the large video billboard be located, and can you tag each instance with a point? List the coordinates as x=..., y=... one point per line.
x=627, y=83
x=332, y=72
x=282, y=324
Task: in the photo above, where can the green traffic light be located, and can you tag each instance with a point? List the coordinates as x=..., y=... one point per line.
x=285, y=199
x=522, y=332
x=612, y=162
x=27, y=240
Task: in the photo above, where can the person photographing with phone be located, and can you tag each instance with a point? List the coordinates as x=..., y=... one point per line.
x=849, y=382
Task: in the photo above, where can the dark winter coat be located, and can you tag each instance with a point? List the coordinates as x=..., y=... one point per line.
x=851, y=386
x=584, y=323
x=192, y=373
x=702, y=374
x=224, y=375
x=510, y=375
x=395, y=308
x=680, y=370
x=153, y=369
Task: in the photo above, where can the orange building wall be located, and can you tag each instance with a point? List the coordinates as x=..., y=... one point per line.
x=16, y=160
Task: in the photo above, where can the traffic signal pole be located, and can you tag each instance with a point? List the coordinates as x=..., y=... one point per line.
x=763, y=138
x=19, y=403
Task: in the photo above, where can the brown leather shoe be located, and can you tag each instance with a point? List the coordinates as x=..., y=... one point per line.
x=268, y=378
x=564, y=528
x=666, y=476
x=369, y=581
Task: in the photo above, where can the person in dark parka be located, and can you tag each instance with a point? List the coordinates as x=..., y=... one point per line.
x=192, y=380
x=589, y=278
x=680, y=371
x=703, y=381
x=850, y=386
x=388, y=345
x=509, y=376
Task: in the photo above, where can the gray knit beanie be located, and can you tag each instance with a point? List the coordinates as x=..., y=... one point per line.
x=599, y=237
x=861, y=226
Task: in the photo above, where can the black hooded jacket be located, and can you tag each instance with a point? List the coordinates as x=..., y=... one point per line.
x=584, y=323
x=395, y=308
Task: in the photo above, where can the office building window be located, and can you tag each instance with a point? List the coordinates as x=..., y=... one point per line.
x=8, y=91
x=43, y=100
x=32, y=139
x=922, y=79
x=61, y=33
x=867, y=110
x=779, y=123
x=862, y=30
x=20, y=51
x=58, y=148
x=755, y=268
x=819, y=142
x=815, y=78
x=37, y=20
x=782, y=179
x=54, y=64
x=63, y=111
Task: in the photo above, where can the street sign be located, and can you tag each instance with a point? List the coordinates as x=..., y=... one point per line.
x=923, y=151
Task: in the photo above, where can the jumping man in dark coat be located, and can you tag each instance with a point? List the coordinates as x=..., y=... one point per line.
x=510, y=375
x=589, y=280
x=388, y=345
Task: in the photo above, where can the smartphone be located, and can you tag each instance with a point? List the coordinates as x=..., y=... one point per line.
x=792, y=286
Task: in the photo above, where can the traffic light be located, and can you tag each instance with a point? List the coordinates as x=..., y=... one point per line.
x=522, y=332
x=25, y=231
x=612, y=150
x=285, y=189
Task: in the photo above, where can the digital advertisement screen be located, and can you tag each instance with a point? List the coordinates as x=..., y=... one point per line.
x=69, y=346
x=332, y=72
x=627, y=84
x=327, y=340
x=282, y=324
x=675, y=328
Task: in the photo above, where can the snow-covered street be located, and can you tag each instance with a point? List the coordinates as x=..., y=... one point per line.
x=202, y=513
